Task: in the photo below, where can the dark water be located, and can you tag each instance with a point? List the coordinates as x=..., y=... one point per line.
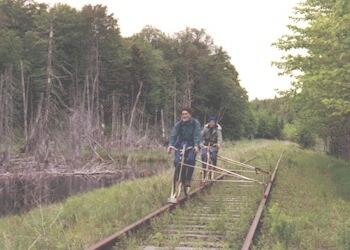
x=20, y=193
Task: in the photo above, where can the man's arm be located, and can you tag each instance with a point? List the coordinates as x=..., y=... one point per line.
x=173, y=135
x=202, y=135
x=219, y=137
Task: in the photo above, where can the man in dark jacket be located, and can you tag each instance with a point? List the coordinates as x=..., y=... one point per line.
x=186, y=133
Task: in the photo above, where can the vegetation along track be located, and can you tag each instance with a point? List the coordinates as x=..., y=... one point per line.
x=218, y=218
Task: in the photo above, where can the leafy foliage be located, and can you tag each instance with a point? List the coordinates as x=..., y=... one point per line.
x=269, y=118
x=317, y=54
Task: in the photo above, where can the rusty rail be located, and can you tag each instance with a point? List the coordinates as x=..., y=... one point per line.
x=254, y=226
x=108, y=242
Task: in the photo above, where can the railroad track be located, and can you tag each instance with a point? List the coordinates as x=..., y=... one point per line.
x=212, y=220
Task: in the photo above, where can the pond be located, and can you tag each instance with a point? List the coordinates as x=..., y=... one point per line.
x=19, y=192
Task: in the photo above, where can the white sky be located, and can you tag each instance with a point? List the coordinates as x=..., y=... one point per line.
x=244, y=28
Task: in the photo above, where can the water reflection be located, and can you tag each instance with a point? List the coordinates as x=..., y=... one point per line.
x=21, y=192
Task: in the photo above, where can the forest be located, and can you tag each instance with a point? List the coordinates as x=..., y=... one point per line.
x=68, y=77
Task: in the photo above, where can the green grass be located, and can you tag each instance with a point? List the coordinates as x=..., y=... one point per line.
x=310, y=204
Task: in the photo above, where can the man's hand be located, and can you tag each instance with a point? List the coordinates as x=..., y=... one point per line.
x=170, y=149
x=218, y=146
x=196, y=149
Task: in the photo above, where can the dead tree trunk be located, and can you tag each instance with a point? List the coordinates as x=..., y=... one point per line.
x=175, y=102
x=25, y=104
x=163, y=126
x=48, y=86
x=2, y=97
x=132, y=115
x=123, y=126
x=188, y=88
x=6, y=112
x=114, y=116
x=91, y=91
x=47, y=93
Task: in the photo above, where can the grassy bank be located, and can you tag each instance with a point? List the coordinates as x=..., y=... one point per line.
x=310, y=204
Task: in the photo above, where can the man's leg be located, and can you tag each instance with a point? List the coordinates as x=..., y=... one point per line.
x=204, y=156
x=190, y=160
x=214, y=157
x=204, y=159
x=177, y=164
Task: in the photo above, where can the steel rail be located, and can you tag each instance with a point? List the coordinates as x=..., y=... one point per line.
x=254, y=226
x=109, y=242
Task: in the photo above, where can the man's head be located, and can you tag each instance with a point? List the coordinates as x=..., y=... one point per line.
x=186, y=114
x=212, y=121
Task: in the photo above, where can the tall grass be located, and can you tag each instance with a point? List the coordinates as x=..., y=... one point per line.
x=310, y=204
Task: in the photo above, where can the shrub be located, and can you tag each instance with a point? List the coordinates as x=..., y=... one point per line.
x=305, y=138
x=290, y=132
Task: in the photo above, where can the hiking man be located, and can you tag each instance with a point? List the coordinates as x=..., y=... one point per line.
x=186, y=132
x=212, y=140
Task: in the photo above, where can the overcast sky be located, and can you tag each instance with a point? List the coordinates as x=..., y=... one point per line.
x=244, y=28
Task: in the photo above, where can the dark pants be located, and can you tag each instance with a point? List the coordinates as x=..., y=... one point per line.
x=190, y=159
x=213, y=155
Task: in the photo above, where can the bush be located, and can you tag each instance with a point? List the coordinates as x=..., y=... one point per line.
x=305, y=138
x=269, y=125
x=290, y=132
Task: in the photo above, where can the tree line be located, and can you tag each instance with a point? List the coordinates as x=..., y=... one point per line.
x=68, y=78
x=317, y=54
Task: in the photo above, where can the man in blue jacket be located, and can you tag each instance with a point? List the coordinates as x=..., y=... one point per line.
x=186, y=133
